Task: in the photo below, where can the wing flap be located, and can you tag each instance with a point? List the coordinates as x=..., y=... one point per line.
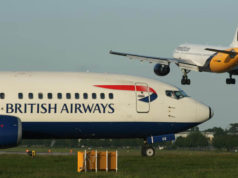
x=188, y=67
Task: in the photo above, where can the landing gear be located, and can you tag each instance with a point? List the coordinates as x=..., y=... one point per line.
x=147, y=150
x=185, y=80
x=230, y=80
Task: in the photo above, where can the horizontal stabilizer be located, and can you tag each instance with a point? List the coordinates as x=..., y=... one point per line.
x=231, y=53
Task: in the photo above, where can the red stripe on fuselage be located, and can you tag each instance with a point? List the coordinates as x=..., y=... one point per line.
x=126, y=87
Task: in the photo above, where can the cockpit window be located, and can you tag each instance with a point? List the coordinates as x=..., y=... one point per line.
x=176, y=94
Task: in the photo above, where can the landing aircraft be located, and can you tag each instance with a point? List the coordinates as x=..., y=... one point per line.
x=200, y=58
x=37, y=105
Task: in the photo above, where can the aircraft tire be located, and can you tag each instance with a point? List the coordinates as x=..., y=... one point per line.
x=188, y=81
x=183, y=81
x=233, y=81
x=149, y=151
x=228, y=81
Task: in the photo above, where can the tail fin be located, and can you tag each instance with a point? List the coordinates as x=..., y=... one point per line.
x=235, y=40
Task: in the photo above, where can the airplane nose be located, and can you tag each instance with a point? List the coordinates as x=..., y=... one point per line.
x=204, y=112
x=211, y=113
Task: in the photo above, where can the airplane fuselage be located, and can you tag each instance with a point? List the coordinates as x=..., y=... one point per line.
x=200, y=58
x=87, y=105
x=207, y=60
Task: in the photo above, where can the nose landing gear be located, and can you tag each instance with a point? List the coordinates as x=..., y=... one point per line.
x=147, y=151
x=230, y=80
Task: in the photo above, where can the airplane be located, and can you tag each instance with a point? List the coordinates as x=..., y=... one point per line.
x=200, y=58
x=37, y=105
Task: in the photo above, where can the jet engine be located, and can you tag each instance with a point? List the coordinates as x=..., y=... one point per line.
x=10, y=131
x=161, y=69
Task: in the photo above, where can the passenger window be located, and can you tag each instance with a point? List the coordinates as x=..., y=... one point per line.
x=2, y=95
x=110, y=95
x=94, y=96
x=85, y=96
x=102, y=95
x=40, y=95
x=59, y=95
x=76, y=95
x=68, y=95
x=20, y=95
x=30, y=95
x=50, y=96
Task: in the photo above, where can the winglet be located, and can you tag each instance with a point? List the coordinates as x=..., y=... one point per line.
x=235, y=40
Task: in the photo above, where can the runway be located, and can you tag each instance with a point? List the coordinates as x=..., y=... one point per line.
x=38, y=153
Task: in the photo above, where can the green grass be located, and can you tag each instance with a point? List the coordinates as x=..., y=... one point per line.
x=131, y=164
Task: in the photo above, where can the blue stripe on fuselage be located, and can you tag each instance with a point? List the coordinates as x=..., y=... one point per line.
x=101, y=129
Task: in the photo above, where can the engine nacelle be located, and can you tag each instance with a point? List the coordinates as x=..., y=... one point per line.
x=161, y=69
x=10, y=131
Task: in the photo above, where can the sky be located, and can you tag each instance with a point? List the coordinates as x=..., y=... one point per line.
x=76, y=35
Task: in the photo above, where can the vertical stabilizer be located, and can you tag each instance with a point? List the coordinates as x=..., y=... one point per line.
x=235, y=40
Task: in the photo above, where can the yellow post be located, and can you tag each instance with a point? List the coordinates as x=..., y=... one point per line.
x=80, y=161
x=33, y=153
x=92, y=161
x=102, y=160
x=112, y=161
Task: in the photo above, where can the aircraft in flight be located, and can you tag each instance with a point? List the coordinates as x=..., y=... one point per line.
x=200, y=58
x=37, y=105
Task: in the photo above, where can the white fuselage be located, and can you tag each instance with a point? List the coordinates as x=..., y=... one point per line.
x=194, y=54
x=88, y=105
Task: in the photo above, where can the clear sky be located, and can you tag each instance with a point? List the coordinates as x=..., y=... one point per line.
x=76, y=35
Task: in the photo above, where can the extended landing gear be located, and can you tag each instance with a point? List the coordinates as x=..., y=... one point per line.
x=230, y=80
x=147, y=150
x=185, y=80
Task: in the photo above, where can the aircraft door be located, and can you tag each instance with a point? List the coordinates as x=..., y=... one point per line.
x=142, y=97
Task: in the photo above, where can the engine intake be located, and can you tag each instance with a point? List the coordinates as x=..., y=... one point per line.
x=161, y=69
x=10, y=131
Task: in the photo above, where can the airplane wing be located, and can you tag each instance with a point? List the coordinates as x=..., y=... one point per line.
x=183, y=64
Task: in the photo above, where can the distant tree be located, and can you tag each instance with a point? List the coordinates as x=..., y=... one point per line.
x=194, y=139
x=197, y=139
x=233, y=128
x=181, y=142
x=225, y=141
x=217, y=131
x=111, y=142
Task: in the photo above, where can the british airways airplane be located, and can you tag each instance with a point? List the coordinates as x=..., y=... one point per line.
x=35, y=105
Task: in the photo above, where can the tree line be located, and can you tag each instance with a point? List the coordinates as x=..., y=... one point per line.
x=223, y=139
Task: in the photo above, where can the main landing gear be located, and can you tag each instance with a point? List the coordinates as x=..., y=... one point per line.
x=185, y=80
x=230, y=80
x=147, y=150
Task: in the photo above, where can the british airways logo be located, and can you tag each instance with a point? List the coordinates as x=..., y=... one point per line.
x=139, y=88
x=69, y=108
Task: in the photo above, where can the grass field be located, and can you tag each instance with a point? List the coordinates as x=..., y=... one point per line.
x=131, y=164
